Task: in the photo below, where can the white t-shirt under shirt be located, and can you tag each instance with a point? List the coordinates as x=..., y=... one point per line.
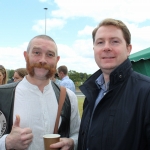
x=38, y=111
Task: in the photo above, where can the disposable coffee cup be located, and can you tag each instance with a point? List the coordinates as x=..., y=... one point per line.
x=51, y=139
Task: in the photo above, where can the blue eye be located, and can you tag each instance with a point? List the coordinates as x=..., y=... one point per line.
x=115, y=41
x=100, y=42
x=51, y=55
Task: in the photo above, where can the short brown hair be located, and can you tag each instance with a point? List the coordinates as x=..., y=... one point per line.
x=21, y=72
x=117, y=23
x=63, y=69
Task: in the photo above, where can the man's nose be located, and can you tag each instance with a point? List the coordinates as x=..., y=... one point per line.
x=107, y=46
x=43, y=59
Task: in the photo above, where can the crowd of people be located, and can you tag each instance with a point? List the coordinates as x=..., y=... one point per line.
x=116, y=113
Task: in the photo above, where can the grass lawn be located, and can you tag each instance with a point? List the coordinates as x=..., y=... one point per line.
x=80, y=105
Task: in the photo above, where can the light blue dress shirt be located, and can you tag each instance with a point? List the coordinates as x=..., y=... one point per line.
x=68, y=83
x=57, y=82
x=102, y=87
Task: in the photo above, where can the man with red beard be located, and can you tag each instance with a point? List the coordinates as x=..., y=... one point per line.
x=28, y=109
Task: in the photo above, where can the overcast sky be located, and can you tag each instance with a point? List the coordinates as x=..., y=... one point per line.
x=70, y=24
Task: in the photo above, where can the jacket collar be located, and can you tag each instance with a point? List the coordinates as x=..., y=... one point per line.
x=116, y=77
x=121, y=72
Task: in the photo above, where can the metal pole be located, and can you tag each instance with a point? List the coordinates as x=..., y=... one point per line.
x=45, y=19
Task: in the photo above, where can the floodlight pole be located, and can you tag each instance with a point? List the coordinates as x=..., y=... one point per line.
x=45, y=19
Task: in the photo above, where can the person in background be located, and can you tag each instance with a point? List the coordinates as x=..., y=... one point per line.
x=28, y=108
x=19, y=74
x=116, y=110
x=65, y=80
x=10, y=80
x=55, y=79
x=3, y=75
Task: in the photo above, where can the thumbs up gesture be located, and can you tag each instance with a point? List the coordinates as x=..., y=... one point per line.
x=17, y=121
x=19, y=138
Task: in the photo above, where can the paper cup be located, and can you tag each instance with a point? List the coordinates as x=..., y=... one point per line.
x=51, y=139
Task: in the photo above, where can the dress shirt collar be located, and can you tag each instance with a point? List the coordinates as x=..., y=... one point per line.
x=66, y=77
x=101, y=83
x=32, y=86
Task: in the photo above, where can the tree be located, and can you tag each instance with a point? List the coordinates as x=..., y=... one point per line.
x=78, y=78
x=10, y=73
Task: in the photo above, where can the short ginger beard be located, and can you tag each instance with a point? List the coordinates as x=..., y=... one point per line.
x=30, y=68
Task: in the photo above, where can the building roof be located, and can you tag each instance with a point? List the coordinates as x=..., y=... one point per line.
x=140, y=55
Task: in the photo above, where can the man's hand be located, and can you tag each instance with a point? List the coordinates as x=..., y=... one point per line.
x=18, y=138
x=64, y=144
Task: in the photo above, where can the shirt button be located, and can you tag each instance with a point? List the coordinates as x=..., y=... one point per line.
x=120, y=76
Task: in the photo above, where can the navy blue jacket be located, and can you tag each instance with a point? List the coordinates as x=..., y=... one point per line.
x=121, y=120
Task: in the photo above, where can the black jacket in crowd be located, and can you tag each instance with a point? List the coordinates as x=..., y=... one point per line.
x=121, y=120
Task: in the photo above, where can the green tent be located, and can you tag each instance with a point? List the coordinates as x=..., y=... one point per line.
x=141, y=61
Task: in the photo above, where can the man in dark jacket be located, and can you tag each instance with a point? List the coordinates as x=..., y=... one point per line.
x=28, y=109
x=116, y=113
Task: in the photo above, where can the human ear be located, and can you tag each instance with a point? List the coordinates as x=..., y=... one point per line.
x=129, y=48
x=25, y=55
